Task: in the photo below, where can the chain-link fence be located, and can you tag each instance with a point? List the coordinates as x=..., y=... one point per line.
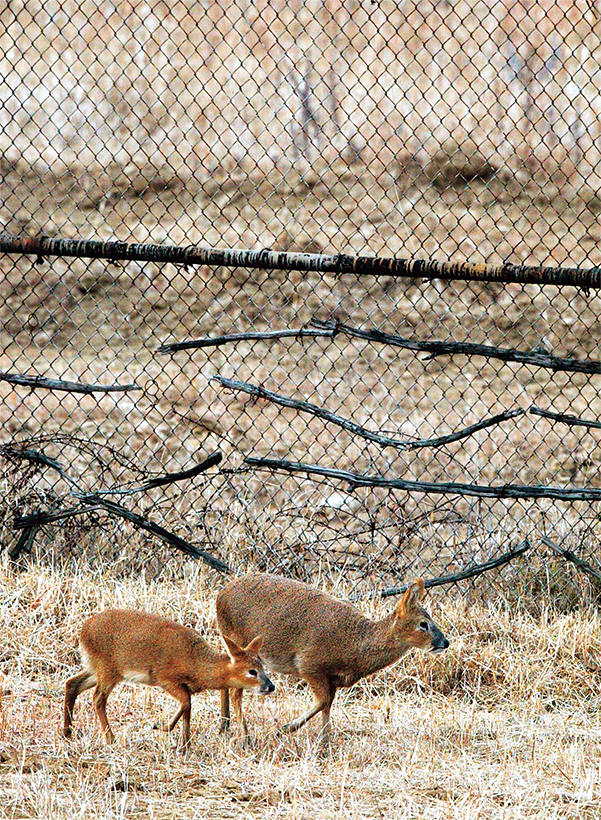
x=443, y=130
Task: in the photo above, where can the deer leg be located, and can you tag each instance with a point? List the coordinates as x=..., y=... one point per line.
x=323, y=691
x=169, y=725
x=237, y=706
x=325, y=720
x=224, y=726
x=325, y=712
x=101, y=695
x=74, y=687
x=182, y=693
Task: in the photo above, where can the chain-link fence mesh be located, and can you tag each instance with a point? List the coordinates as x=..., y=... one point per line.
x=448, y=130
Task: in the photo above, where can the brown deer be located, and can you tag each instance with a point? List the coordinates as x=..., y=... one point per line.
x=138, y=647
x=326, y=642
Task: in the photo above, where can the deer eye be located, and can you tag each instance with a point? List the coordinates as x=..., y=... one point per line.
x=424, y=626
x=252, y=673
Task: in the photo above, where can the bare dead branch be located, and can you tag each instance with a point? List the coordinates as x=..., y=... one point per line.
x=211, y=461
x=36, y=457
x=160, y=532
x=544, y=360
x=571, y=420
x=301, y=333
x=352, y=427
x=38, y=519
x=462, y=575
x=39, y=458
x=93, y=499
x=574, y=559
x=41, y=246
x=68, y=387
x=438, y=488
x=25, y=542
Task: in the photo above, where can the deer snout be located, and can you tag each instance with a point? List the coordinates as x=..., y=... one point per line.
x=266, y=687
x=439, y=643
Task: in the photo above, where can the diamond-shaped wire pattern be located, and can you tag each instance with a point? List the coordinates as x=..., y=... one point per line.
x=465, y=130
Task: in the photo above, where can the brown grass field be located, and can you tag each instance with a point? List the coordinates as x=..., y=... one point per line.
x=503, y=725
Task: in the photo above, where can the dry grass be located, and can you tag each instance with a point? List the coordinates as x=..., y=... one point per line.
x=504, y=725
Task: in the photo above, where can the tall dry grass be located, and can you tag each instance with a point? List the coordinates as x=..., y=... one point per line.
x=504, y=725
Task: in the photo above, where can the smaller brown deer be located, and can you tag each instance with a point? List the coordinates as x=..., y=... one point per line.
x=317, y=638
x=138, y=647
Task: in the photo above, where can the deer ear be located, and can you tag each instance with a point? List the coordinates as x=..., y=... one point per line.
x=233, y=650
x=254, y=647
x=411, y=598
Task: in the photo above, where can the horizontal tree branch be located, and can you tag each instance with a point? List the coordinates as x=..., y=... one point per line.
x=462, y=575
x=543, y=360
x=571, y=420
x=302, y=333
x=574, y=559
x=436, y=488
x=41, y=246
x=352, y=427
x=68, y=387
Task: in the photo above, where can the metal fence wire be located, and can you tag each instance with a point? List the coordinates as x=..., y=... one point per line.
x=372, y=426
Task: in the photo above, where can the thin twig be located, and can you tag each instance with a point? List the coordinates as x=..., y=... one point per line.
x=34, y=382
x=302, y=333
x=441, y=488
x=571, y=420
x=569, y=556
x=352, y=427
x=469, y=572
x=544, y=360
